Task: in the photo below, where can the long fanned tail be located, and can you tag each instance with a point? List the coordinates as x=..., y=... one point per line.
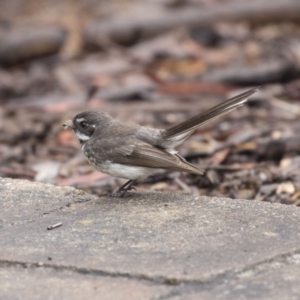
x=209, y=115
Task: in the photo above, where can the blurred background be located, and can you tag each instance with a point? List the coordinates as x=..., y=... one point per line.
x=156, y=63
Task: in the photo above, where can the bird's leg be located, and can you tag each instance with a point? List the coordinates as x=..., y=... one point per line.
x=130, y=186
x=120, y=189
x=126, y=187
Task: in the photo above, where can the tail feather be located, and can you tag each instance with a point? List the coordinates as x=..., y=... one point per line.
x=209, y=115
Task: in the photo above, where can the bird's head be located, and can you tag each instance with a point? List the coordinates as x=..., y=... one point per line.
x=86, y=124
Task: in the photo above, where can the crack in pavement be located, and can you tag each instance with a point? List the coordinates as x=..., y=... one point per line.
x=276, y=262
x=292, y=257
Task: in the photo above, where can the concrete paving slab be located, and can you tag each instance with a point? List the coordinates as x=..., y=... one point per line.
x=38, y=283
x=275, y=279
x=23, y=200
x=199, y=246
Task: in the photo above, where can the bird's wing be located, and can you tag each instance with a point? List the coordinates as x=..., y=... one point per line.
x=131, y=151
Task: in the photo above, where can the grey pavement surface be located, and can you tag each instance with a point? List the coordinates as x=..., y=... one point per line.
x=144, y=246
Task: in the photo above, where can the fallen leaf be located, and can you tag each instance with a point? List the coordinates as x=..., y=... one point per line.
x=66, y=138
x=220, y=156
x=285, y=187
x=80, y=179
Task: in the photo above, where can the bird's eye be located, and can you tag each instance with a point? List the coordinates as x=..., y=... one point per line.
x=84, y=124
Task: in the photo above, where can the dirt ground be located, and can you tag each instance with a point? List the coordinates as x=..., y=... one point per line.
x=154, y=63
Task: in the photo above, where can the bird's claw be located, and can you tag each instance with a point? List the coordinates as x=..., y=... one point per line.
x=121, y=191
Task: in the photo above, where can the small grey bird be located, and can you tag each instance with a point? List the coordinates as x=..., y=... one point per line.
x=134, y=152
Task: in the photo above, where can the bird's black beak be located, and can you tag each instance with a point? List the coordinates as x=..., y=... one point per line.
x=68, y=124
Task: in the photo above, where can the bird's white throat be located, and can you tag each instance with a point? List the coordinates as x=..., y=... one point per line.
x=81, y=136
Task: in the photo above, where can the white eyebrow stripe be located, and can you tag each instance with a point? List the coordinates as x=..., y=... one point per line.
x=80, y=120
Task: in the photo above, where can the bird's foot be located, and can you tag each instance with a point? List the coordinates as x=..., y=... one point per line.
x=123, y=189
x=130, y=188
